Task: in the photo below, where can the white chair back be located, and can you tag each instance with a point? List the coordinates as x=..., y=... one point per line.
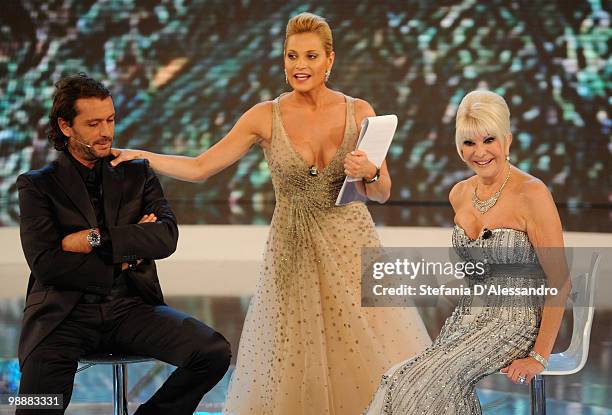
x=583, y=301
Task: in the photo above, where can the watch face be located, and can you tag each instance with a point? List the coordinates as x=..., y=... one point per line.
x=93, y=238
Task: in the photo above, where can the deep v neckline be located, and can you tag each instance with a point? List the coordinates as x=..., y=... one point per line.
x=297, y=154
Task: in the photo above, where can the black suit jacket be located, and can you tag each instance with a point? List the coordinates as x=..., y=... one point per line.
x=54, y=203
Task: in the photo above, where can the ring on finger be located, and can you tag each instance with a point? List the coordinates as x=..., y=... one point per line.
x=522, y=380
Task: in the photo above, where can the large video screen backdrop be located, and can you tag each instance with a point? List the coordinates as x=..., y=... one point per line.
x=182, y=72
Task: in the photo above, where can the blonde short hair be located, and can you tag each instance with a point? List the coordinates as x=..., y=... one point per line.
x=482, y=112
x=311, y=23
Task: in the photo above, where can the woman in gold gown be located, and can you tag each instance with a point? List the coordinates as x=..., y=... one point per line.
x=308, y=347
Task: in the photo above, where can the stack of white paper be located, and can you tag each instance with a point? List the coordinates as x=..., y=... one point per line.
x=375, y=139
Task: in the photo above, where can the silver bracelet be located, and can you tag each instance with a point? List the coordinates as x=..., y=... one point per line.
x=537, y=356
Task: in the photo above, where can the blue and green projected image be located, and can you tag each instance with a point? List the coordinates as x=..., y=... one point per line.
x=182, y=72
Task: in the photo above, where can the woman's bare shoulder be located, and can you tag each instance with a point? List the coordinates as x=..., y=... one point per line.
x=534, y=193
x=263, y=108
x=459, y=191
x=259, y=120
x=530, y=186
x=363, y=107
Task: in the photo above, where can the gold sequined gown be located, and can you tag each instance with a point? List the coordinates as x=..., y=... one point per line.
x=307, y=347
x=483, y=335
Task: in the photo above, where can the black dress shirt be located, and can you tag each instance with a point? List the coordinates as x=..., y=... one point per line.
x=92, y=177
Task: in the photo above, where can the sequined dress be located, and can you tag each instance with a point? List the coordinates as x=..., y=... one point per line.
x=307, y=347
x=483, y=335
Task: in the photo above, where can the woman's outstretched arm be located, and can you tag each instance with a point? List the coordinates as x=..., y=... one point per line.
x=254, y=126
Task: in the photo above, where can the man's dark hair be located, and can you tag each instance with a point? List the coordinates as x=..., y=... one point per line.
x=67, y=91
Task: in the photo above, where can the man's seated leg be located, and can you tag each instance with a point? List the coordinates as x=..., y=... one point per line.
x=201, y=354
x=51, y=367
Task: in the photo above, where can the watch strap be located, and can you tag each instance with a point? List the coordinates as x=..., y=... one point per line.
x=373, y=179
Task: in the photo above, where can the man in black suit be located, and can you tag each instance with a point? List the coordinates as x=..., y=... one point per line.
x=90, y=234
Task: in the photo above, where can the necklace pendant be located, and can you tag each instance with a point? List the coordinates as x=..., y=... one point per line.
x=313, y=171
x=483, y=206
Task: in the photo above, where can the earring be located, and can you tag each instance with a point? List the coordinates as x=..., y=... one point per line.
x=508, y=158
x=327, y=73
x=286, y=79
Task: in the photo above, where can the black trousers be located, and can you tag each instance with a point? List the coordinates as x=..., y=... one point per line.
x=128, y=325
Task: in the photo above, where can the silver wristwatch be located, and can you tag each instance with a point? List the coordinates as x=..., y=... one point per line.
x=93, y=237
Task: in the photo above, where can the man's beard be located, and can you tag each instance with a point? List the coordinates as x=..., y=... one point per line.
x=89, y=153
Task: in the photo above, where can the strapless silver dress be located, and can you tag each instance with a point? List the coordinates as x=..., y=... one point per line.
x=483, y=335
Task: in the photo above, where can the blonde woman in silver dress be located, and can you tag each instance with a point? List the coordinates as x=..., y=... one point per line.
x=510, y=216
x=307, y=346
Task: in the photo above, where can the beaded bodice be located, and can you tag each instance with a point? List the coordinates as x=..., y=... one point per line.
x=502, y=246
x=511, y=263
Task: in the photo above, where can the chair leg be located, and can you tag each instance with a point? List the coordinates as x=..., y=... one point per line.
x=120, y=389
x=538, y=396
